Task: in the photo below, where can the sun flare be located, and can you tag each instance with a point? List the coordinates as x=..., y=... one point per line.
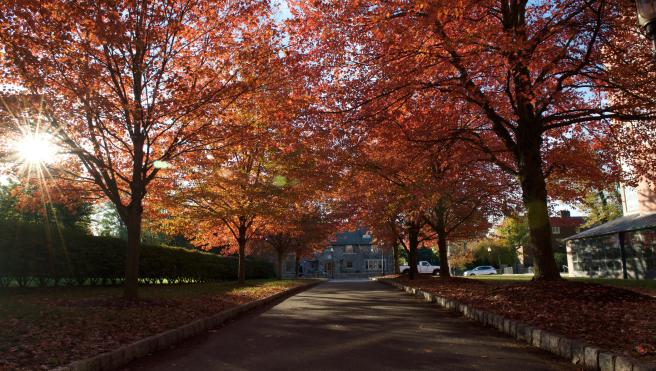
x=36, y=149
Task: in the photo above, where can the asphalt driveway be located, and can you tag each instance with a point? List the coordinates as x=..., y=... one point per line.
x=352, y=326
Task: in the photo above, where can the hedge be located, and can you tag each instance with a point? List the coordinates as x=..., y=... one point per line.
x=32, y=253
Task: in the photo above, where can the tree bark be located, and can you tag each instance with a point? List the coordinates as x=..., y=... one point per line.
x=413, y=242
x=242, y=239
x=534, y=196
x=241, y=269
x=280, y=258
x=297, y=264
x=439, y=227
x=443, y=252
x=133, y=224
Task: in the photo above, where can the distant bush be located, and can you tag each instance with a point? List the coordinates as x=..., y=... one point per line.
x=32, y=254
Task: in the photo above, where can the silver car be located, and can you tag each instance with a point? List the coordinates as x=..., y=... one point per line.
x=481, y=271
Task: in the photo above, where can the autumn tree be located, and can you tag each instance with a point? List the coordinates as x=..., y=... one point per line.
x=529, y=76
x=244, y=190
x=226, y=199
x=127, y=86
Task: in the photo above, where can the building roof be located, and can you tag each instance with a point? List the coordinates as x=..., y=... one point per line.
x=626, y=223
x=359, y=237
x=567, y=221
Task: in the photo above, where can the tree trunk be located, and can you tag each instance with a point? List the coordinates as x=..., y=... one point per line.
x=444, y=256
x=534, y=195
x=133, y=225
x=439, y=227
x=297, y=264
x=280, y=258
x=413, y=242
x=397, y=269
x=241, y=269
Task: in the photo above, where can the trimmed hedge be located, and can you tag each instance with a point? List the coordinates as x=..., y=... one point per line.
x=35, y=254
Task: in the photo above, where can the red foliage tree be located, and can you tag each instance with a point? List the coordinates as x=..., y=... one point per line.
x=128, y=86
x=529, y=77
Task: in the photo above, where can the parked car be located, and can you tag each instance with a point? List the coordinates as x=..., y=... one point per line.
x=422, y=267
x=481, y=271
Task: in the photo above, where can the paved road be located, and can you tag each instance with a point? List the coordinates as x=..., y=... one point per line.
x=352, y=326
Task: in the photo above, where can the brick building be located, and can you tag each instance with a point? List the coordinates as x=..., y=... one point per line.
x=563, y=226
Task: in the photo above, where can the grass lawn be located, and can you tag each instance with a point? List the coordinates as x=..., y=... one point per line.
x=46, y=327
x=645, y=286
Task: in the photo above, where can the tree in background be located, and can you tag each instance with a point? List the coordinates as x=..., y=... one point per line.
x=228, y=200
x=513, y=232
x=600, y=206
x=493, y=251
x=108, y=223
x=461, y=255
x=25, y=203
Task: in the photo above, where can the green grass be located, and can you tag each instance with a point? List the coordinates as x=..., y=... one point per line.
x=639, y=284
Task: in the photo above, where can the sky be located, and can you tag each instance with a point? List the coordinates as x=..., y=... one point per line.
x=283, y=12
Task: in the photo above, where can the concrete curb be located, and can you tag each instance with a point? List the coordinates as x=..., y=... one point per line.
x=579, y=353
x=128, y=353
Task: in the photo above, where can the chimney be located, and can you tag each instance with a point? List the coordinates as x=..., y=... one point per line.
x=564, y=214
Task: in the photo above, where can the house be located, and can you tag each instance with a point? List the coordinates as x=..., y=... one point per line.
x=622, y=248
x=563, y=226
x=350, y=255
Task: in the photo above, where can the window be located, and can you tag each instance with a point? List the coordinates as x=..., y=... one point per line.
x=374, y=265
x=425, y=264
x=555, y=230
x=349, y=264
x=348, y=249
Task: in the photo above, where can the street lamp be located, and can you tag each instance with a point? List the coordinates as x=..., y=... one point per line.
x=382, y=259
x=647, y=20
x=489, y=251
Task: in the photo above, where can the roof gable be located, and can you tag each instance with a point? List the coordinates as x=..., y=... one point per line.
x=358, y=237
x=632, y=222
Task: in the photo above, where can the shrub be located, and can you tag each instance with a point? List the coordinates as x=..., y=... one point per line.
x=32, y=253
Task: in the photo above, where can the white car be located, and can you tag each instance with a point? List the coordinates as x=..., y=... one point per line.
x=422, y=267
x=481, y=271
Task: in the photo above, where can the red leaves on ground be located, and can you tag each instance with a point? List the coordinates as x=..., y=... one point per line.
x=612, y=318
x=42, y=329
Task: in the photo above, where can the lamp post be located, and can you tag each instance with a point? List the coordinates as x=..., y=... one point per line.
x=382, y=259
x=647, y=20
x=489, y=251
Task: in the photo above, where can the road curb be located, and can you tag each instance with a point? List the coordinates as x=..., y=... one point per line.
x=128, y=353
x=579, y=353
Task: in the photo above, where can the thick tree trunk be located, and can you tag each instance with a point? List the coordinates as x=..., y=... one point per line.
x=534, y=195
x=413, y=243
x=241, y=268
x=439, y=227
x=297, y=264
x=397, y=269
x=280, y=258
x=443, y=252
x=133, y=225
